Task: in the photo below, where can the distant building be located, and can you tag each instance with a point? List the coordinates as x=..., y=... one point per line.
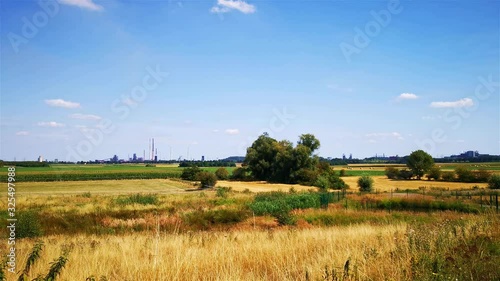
x=40, y=158
x=202, y=158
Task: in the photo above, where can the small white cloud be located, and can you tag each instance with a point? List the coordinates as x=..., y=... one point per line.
x=232, y=131
x=224, y=6
x=50, y=124
x=215, y=131
x=86, y=4
x=85, y=116
x=22, y=133
x=372, y=141
x=407, y=96
x=465, y=102
x=62, y=103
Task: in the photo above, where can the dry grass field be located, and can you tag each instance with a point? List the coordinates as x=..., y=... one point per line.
x=388, y=252
x=383, y=184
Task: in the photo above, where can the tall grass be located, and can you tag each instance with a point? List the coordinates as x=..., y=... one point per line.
x=466, y=249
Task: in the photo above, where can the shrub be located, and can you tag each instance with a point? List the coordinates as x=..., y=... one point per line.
x=482, y=175
x=391, y=173
x=240, y=174
x=464, y=174
x=190, y=173
x=222, y=174
x=494, y=182
x=434, y=173
x=405, y=174
x=342, y=173
x=306, y=176
x=365, y=183
x=223, y=191
x=207, y=179
x=448, y=176
x=28, y=225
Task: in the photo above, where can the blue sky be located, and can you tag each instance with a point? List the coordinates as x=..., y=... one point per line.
x=87, y=79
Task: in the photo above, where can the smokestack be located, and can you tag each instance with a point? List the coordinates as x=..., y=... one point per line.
x=153, y=150
x=149, y=149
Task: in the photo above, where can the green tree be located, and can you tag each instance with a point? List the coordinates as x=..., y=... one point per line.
x=207, y=179
x=240, y=174
x=434, y=173
x=391, y=173
x=419, y=162
x=365, y=183
x=222, y=173
x=464, y=174
x=448, y=176
x=310, y=141
x=260, y=157
x=190, y=173
x=494, y=182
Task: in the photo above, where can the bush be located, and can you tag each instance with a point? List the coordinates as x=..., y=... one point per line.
x=240, y=174
x=342, y=173
x=223, y=191
x=434, y=173
x=482, y=175
x=28, y=225
x=365, y=183
x=207, y=179
x=448, y=176
x=391, y=173
x=494, y=182
x=405, y=174
x=464, y=174
x=222, y=174
x=190, y=173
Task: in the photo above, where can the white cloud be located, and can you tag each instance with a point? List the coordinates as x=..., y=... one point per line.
x=86, y=4
x=385, y=135
x=22, y=133
x=224, y=6
x=85, y=116
x=407, y=96
x=232, y=131
x=215, y=130
x=62, y=103
x=465, y=102
x=50, y=124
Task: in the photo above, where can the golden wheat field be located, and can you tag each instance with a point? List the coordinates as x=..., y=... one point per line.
x=374, y=253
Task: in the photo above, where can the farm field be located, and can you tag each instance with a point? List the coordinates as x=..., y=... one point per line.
x=383, y=184
x=166, y=229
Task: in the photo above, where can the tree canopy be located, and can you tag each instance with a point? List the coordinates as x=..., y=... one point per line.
x=279, y=161
x=420, y=162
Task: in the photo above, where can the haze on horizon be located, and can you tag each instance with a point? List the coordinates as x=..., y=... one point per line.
x=88, y=79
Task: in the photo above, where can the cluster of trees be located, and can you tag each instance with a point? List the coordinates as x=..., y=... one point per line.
x=23, y=164
x=212, y=163
x=282, y=162
x=206, y=179
x=421, y=163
